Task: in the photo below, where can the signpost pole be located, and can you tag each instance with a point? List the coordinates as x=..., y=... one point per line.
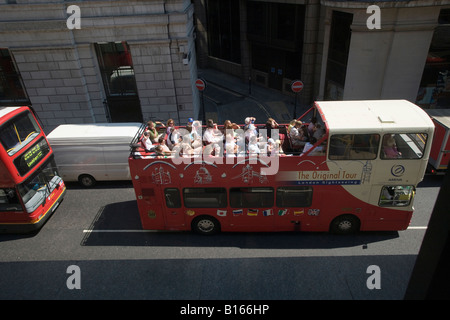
x=296, y=87
x=295, y=105
x=201, y=86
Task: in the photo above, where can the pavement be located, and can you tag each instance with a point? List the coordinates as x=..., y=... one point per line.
x=230, y=98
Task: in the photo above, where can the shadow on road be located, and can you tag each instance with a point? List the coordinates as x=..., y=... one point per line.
x=118, y=224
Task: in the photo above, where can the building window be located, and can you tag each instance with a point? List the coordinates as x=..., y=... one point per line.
x=12, y=91
x=340, y=35
x=116, y=68
x=276, y=24
x=434, y=91
x=224, y=29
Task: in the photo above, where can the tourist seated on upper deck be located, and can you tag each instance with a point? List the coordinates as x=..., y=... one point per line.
x=189, y=124
x=318, y=131
x=154, y=135
x=272, y=124
x=169, y=125
x=253, y=147
x=211, y=134
x=312, y=125
x=271, y=148
x=183, y=147
x=172, y=138
x=248, y=121
x=212, y=137
x=291, y=125
x=231, y=147
x=165, y=148
x=146, y=143
x=319, y=150
x=196, y=137
x=298, y=135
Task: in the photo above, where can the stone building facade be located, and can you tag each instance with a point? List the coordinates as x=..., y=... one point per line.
x=138, y=60
x=128, y=61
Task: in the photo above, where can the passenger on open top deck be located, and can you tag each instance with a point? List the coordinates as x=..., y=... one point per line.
x=172, y=137
x=212, y=138
x=154, y=135
x=298, y=134
x=146, y=143
x=165, y=148
x=170, y=124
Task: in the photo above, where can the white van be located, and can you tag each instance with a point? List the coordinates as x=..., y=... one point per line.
x=93, y=152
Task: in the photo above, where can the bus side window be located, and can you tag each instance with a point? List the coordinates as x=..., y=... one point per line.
x=294, y=196
x=403, y=146
x=9, y=200
x=251, y=197
x=354, y=146
x=172, y=196
x=205, y=197
x=396, y=196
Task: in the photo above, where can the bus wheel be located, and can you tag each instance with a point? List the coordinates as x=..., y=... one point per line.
x=345, y=224
x=205, y=225
x=86, y=180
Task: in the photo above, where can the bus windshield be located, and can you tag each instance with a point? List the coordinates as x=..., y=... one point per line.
x=38, y=187
x=18, y=132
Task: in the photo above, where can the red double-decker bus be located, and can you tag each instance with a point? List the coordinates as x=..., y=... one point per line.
x=359, y=173
x=30, y=186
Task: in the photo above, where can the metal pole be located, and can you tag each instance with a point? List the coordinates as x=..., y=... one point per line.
x=203, y=109
x=295, y=106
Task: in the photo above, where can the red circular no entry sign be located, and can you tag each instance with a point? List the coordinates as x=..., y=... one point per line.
x=200, y=84
x=297, y=86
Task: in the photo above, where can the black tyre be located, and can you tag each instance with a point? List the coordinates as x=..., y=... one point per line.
x=205, y=225
x=345, y=224
x=87, y=180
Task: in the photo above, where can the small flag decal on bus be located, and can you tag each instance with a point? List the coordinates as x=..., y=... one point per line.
x=221, y=213
x=282, y=212
x=237, y=212
x=252, y=212
x=268, y=212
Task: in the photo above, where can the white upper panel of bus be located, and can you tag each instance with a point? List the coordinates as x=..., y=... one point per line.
x=105, y=133
x=6, y=110
x=380, y=115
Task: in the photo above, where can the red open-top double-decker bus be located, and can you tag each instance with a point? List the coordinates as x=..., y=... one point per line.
x=360, y=174
x=30, y=186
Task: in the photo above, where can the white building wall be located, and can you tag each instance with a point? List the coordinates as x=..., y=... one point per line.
x=387, y=63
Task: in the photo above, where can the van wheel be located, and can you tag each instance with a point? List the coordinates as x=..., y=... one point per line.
x=345, y=224
x=86, y=180
x=205, y=225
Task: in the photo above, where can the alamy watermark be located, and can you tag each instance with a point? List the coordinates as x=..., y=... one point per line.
x=74, y=20
x=74, y=280
x=374, y=280
x=374, y=21
x=235, y=146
